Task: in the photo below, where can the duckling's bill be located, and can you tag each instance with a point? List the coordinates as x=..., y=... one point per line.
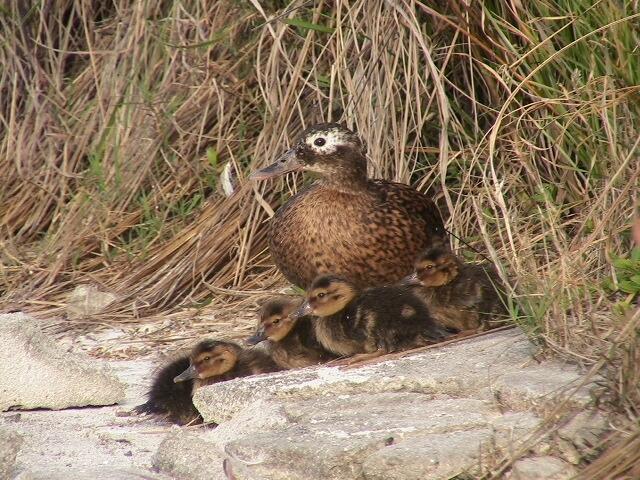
x=410, y=279
x=257, y=337
x=287, y=162
x=189, y=374
x=304, y=310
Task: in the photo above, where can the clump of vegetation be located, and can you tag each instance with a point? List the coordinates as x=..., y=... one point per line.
x=118, y=118
x=625, y=279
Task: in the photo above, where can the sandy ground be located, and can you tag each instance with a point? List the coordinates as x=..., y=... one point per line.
x=103, y=442
x=91, y=443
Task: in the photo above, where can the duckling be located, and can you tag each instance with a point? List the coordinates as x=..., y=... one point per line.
x=170, y=400
x=367, y=323
x=460, y=296
x=368, y=231
x=210, y=361
x=213, y=361
x=291, y=342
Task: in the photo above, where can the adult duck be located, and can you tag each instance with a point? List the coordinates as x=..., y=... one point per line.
x=368, y=231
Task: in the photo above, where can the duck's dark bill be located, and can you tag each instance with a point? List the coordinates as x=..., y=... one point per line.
x=188, y=374
x=287, y=162
x=256, y=338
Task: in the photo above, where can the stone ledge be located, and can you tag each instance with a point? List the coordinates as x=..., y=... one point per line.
x=473, y=367
x=431, y=415
x=36, y=373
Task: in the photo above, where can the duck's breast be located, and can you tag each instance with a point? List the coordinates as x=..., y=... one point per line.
x=368, y=237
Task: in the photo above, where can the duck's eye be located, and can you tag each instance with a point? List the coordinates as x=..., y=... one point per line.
x=318, y=142
x=321, y=295
x=276, y=321
x=207, y=358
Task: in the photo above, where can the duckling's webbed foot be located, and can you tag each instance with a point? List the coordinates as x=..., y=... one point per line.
x=362, y=358
x=142, y=409
x=147, y=408
x=337, y=361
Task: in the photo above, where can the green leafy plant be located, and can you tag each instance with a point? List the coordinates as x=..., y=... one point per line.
x=626, y=278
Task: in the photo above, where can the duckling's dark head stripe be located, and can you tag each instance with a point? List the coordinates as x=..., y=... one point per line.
x=434, y=254
x=208, y=345
x=327, y=280
x=273, y=308
x=279, y=307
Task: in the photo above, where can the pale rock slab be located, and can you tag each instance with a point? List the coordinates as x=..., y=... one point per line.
x=536, y=386
x=429, y=415
x=492, y=366
x=87, y=300
x=90, y=443
x=103, y=473
x=10, y=443
x=580, y=434
x=542, y=468
x=185, y=455
x=585, y=429
x=434, y=457
x=35, y=372
x=341, y=437
x=369, y=435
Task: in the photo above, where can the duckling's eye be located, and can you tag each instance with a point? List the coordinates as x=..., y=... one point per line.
x=321, y=295
x=318, y=142
x=206, y=359
x=276, y=321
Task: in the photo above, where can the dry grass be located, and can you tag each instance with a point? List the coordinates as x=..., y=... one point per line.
x=621, y=461
x=117, y=118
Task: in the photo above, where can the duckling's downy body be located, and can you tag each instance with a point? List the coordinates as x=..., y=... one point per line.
x=171, y=400
x=209, y=362
x=368, y=323
x=368, y=231
x=460, y=296
x=291, y=342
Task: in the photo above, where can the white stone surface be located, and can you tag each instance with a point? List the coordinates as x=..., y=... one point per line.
x=542, y=468
x=10, y=443
x=87, y=300
x=197, y=460
x=498, y=365
x=93, y=442
x=35, y=372
x=431, y=415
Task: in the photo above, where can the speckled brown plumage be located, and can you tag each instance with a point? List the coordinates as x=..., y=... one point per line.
x=460, y=296
x=377, y=320
x=291, y=342
x=369, y=231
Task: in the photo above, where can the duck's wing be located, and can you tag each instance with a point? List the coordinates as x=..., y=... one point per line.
x=414, y=202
